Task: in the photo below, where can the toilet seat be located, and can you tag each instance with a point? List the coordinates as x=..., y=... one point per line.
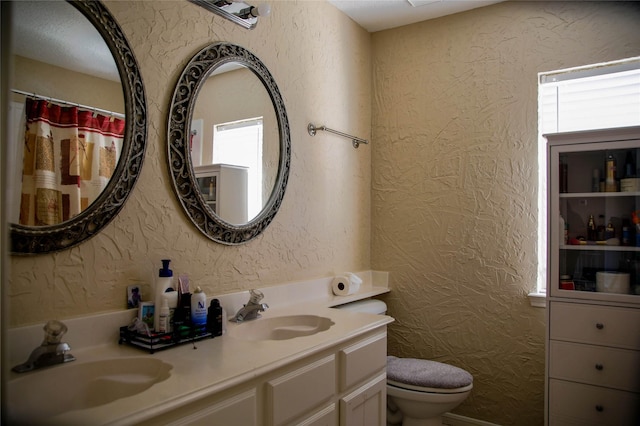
x=407, y=387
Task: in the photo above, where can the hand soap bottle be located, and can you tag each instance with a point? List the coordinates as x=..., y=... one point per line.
x=198, y=309
x=163, y=283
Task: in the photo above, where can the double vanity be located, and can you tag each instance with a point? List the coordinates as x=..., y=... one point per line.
x=303, y=362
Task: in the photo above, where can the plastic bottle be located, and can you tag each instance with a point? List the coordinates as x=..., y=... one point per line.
x=198, y=309
x=163, y=283
x=610, y=174
x=164, y=325
x=214, y=318
x=562, y=233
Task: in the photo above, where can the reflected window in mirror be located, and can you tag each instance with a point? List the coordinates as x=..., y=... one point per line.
x=240, y=144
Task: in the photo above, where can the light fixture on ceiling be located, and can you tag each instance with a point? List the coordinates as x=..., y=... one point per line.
x=236, y=11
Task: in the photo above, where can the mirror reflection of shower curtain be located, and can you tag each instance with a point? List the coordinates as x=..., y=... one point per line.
x=69, y=157
x=15, y=134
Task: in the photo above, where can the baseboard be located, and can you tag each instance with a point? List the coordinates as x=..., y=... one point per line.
x=449, y=419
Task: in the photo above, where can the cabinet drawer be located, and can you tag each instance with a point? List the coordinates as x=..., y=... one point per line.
x=594, y=324
x=301, y=390
x=595, y=365
x=365, y=358
x=578, y=404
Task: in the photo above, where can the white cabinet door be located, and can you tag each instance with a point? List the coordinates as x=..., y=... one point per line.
x=367, y=405
x=300, y=391
x=362, y=360
x=239, y=410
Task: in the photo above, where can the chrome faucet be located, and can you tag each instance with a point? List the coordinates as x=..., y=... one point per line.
x=252, y=309
x=52, y=351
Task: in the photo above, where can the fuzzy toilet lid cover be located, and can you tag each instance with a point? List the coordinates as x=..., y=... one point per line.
x=425, y=373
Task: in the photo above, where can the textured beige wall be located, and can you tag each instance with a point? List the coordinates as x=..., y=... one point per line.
x=323, y=70
x=54, y=82
x=454, y=185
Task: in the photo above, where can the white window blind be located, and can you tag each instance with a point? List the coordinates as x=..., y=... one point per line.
x=596, y=96
x=597, y=102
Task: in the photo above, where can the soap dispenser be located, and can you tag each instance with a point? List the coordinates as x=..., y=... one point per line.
x=163, y=283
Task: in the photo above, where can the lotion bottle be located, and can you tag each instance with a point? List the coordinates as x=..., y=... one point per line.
x=198, y=309
x=164, y=325
x=163, y=283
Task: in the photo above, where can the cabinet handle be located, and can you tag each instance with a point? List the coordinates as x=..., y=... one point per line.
x=599, y=408
x=599, y=326
x=599, y=367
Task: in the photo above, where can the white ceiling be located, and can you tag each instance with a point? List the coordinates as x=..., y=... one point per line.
x=377, y=15
x=55, y=32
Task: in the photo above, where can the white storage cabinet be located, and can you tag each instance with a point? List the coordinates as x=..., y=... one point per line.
x=593, y=319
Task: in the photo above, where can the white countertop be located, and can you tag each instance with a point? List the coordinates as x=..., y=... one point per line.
x=218, y=363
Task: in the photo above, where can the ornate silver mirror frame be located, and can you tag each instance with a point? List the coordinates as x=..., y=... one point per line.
x=179, y=156
x=47, y=239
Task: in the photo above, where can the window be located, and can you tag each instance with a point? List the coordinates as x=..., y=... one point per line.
x=240, y=143
x=596, y=96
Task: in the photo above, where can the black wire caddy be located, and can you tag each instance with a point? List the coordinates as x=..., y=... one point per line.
x=152, y=341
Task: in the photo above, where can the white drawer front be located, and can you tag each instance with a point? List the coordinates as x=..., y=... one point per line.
x=301, y=390
x=572, y=403
x=593, y=324
x=359, y=361
x=596, y=365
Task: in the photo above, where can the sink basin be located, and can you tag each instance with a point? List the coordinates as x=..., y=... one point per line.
x=281, y=328
x=41, y=394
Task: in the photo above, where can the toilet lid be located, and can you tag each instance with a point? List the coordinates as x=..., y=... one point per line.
x=425, y=373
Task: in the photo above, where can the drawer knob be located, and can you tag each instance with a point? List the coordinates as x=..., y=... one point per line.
x=599, y=326
x=599, y=408
x=599, y=367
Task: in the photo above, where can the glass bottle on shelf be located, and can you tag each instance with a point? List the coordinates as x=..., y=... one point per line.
x=610, y=174
x=592, y=233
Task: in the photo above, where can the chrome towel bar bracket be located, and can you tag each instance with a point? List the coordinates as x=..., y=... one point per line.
x=355, y=141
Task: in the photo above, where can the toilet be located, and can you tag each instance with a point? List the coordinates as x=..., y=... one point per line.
x=419, y=391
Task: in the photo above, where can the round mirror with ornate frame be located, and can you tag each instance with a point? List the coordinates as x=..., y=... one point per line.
x=186, y=184
x=52, y=238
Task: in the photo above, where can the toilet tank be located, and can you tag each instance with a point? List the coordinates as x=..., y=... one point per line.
x=369, y=306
